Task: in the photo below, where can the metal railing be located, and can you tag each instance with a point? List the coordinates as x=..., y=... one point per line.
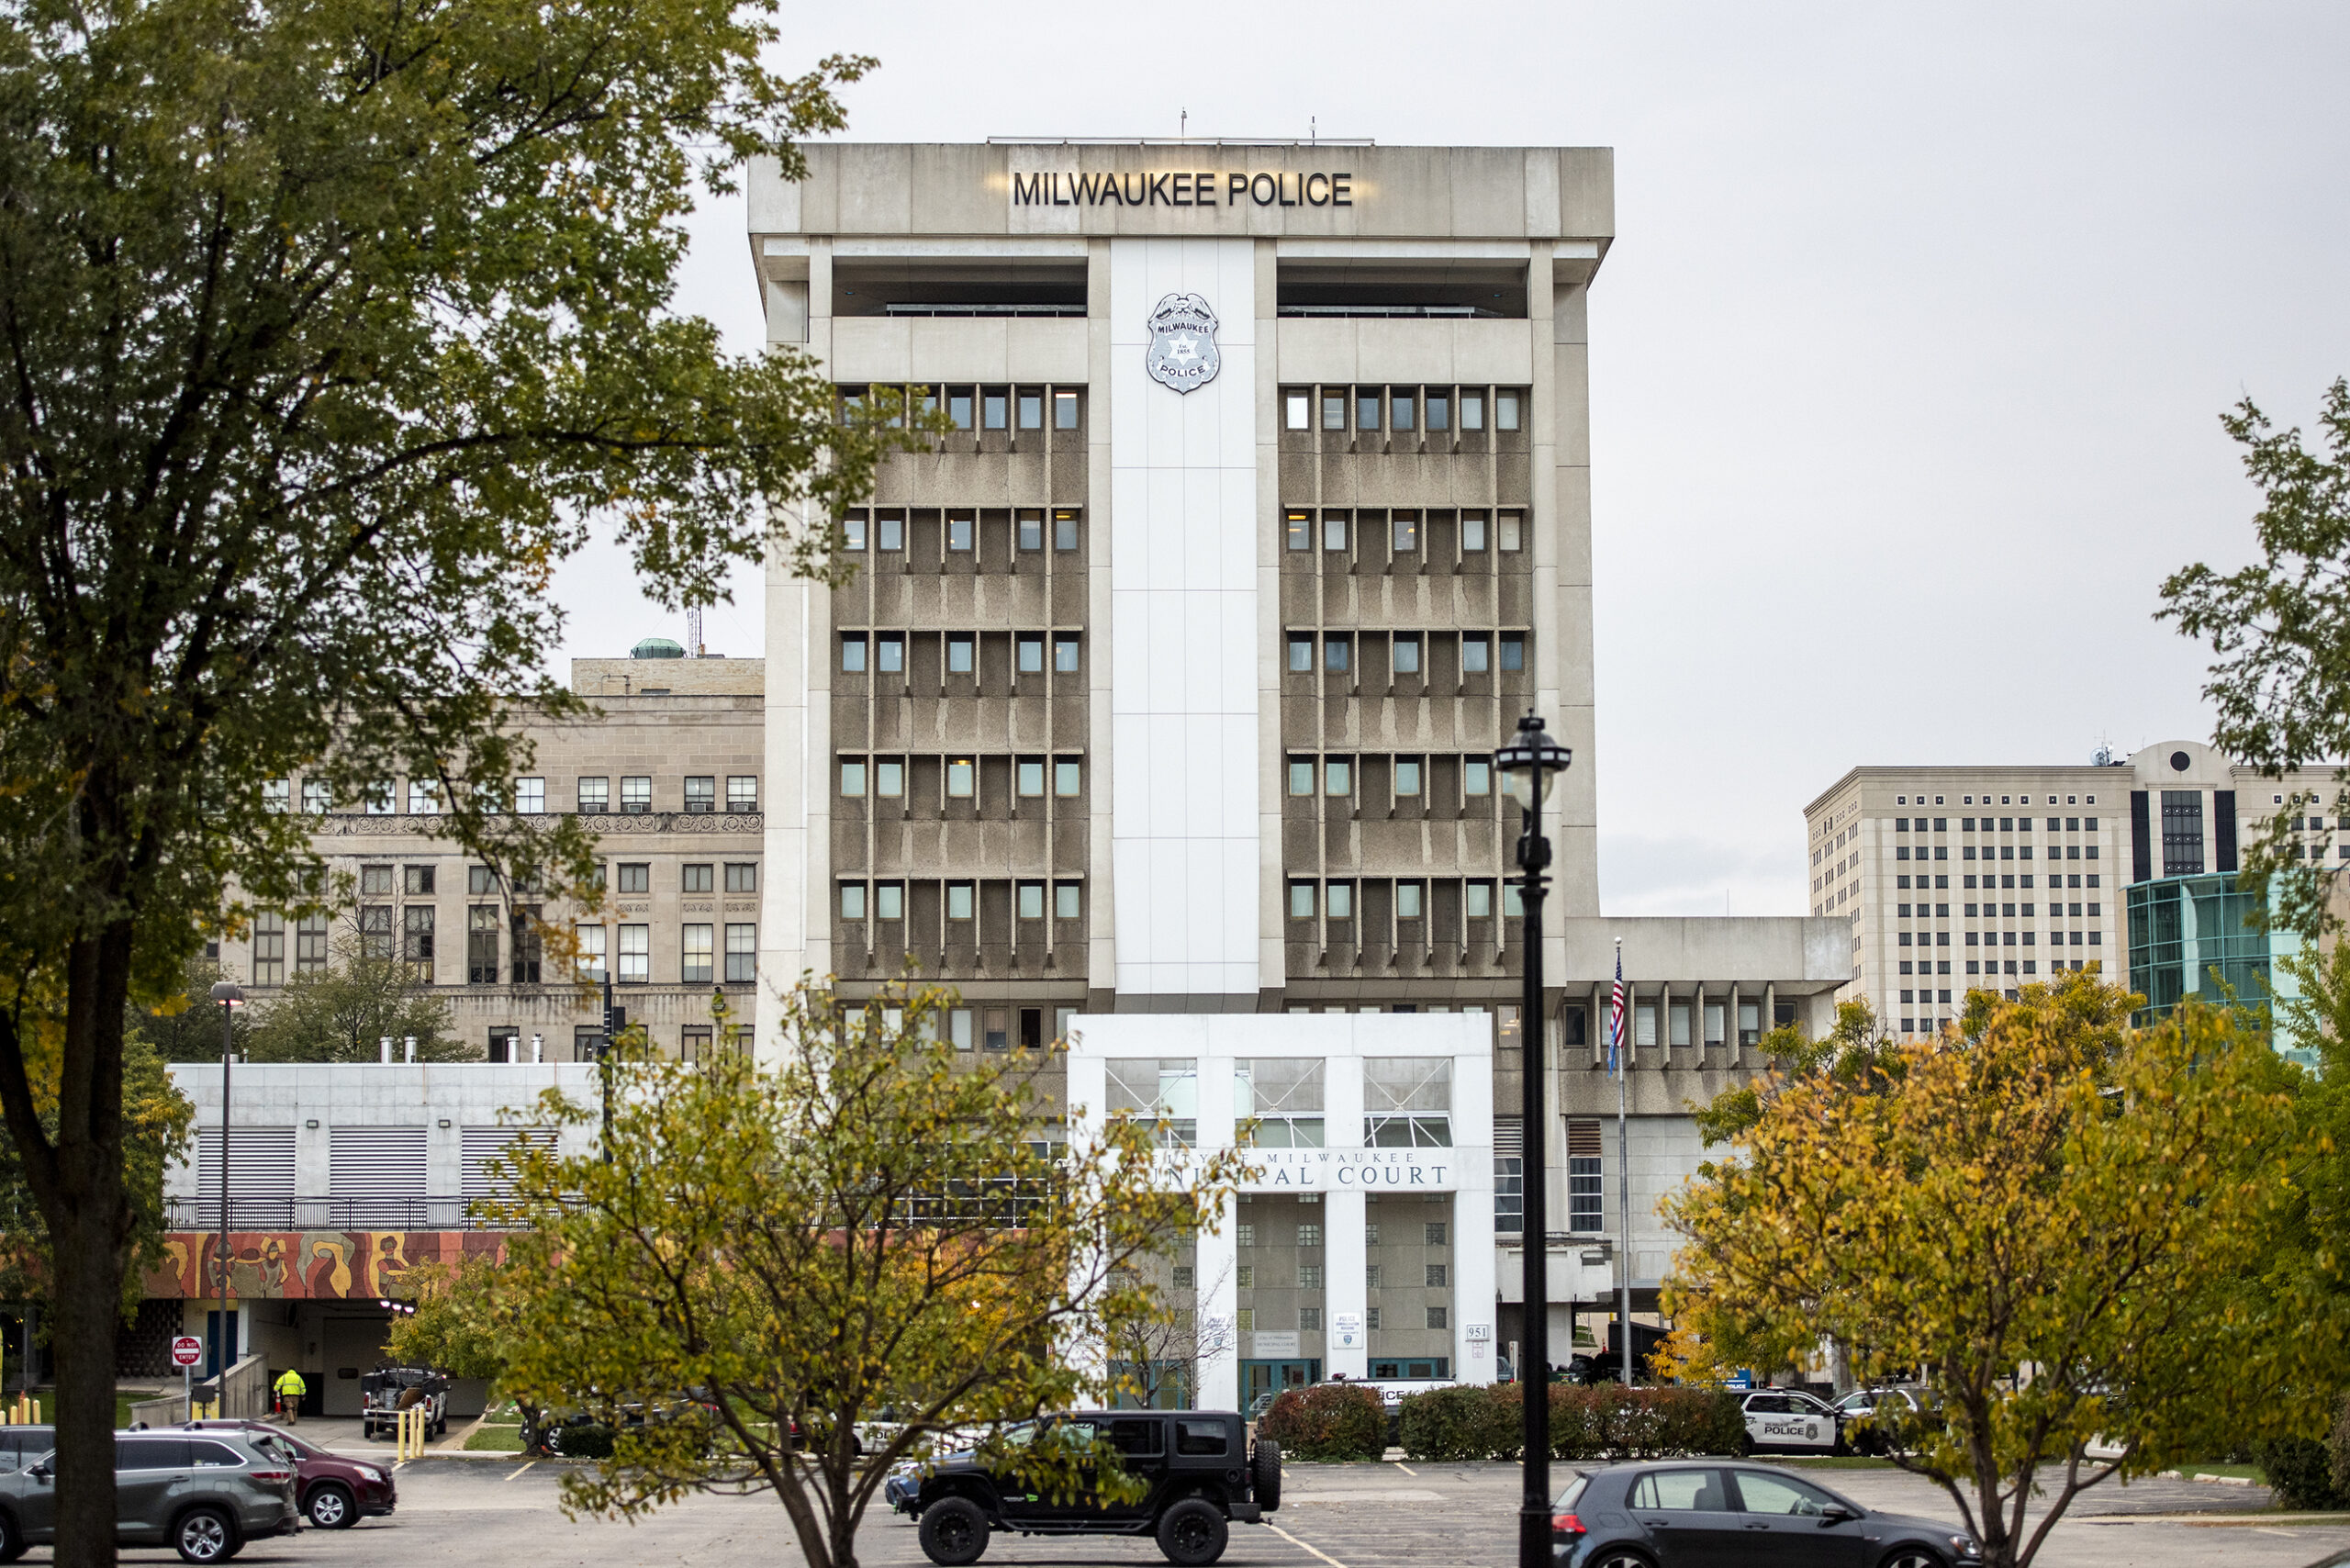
x=361, y=824
x=336, y=1214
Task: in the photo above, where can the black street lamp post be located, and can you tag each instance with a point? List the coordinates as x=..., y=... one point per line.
x=1529, y=765
x=230, y=997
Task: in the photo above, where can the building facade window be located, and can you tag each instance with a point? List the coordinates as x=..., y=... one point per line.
x=743, y=877
x=635, y=955
x=702, y=794
x=595, y=795
x=742, y=954
x=1407, y=1102
x=531, y=796
x=269, y=948
x=636, y=795
x=481, y=944
x=590, y=941
x=416, y=942
x=525, y=945
x=694, y=956
x=743, y=792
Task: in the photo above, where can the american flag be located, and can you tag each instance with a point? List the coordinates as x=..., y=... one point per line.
x=1616, y=1014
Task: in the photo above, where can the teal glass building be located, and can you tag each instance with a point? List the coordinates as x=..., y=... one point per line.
x=2191, y=936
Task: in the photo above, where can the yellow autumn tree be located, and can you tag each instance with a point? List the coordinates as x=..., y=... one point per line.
x=787, y=1277
x=2053, y=1220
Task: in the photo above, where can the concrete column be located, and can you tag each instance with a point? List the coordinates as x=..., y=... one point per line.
x=1346, y=1288
x=1217, y=1250
x=1473, y=1217
x=1217, y=1259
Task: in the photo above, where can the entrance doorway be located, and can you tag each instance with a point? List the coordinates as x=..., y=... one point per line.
x=1260, y=1378
x=212, y=1340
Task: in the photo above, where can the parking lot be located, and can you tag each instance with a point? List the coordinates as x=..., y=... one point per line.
x=505, y=1512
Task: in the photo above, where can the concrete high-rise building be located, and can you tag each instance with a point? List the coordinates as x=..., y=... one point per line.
x=1170, y=681
x=1953, y=878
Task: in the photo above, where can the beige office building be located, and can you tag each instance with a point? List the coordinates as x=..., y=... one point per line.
x=1953, y=879
x=666, y=772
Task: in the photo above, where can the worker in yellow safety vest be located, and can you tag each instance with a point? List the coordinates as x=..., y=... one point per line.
x=289, y=1389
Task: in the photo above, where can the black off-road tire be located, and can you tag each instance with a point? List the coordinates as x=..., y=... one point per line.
x=1265, y=1473
x=1193, y=1533
x=331, y=1505
x=954, y=1532
x=12, y=1539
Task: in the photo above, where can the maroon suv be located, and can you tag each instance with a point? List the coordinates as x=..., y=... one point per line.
x=333, y=1492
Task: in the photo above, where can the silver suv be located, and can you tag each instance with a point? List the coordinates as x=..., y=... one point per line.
x=205, y=1495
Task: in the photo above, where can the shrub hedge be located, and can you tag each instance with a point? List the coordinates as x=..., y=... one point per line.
x=1327, y=1421
x=588, y=1440
x=1604, y=1422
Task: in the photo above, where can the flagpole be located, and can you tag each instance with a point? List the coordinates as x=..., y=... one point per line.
x=1624, y=1181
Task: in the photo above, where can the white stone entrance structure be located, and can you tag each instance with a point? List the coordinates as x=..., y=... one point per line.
x=1367, y=1236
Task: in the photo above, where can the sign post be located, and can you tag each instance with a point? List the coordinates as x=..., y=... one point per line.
x=186, y=1351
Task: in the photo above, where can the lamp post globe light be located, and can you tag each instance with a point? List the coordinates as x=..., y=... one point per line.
x=230, y=997
x=1530, y=765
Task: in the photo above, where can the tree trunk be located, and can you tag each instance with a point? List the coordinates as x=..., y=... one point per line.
x=86, y=1308
x=78, y=1183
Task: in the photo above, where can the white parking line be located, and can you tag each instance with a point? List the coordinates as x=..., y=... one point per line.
x=527, y=1465
x=1317, y=1552
x=1405, y=1468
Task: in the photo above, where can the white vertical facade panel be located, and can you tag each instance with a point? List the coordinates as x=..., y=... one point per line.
x=1184, y=786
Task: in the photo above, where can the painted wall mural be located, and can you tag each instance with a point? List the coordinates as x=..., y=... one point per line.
x=311, y=1265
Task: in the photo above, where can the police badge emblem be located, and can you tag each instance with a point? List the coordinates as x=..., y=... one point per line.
x=1182, y=343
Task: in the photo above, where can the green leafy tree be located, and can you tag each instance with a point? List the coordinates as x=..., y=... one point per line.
x=330, y=331
x=344, y=1012
x=2281, y=628
x=1856, y=1052
x=186, y=1027
x=2058, y=1222
x=876, y=1227
x=158, y=1124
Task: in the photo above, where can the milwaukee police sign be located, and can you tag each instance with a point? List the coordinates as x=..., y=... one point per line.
x=1183, y=352
x=1204, y=189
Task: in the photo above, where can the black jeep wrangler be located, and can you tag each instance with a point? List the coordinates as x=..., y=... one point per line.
x=1200, y=1471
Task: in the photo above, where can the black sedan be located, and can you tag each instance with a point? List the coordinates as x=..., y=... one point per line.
x=1703, y=1514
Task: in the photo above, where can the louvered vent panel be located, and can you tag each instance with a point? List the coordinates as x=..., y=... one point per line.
x=482, y=1146
x=260, y=1163
x=377, y=1162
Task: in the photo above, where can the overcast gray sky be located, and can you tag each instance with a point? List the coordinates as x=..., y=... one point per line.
x=1905, y=362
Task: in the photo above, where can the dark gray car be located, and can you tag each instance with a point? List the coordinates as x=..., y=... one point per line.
x=204, y=1495
x=1713, y=1514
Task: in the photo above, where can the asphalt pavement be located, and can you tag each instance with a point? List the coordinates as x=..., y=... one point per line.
x=502, y=1512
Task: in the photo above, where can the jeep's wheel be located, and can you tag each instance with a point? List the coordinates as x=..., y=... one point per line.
x=1193, y=1533
x=955, y=1532
x=1265, y=1473
x=12, y=1540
